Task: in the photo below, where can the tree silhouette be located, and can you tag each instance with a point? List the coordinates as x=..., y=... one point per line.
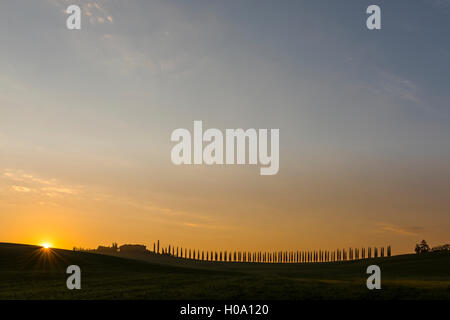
x=422, y=247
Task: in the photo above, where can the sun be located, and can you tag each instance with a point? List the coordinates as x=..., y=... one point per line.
x=46, y=245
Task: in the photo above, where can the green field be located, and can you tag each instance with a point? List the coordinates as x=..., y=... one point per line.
x=29, y=272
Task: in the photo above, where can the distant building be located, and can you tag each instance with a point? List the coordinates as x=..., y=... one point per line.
x=107, y=250
x=133, y=248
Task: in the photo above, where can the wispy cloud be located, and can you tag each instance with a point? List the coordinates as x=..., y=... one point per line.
x=399, y=87
x=95, y=11
x=400, y=230
x=21, y=189
x=25, y=182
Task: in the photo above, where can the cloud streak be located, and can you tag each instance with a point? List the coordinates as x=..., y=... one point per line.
x=405, y=231
x=24, y=182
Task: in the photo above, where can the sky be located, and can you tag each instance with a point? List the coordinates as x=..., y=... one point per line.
x=86, y=117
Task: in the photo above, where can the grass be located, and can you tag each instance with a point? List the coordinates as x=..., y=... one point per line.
x=30, y=272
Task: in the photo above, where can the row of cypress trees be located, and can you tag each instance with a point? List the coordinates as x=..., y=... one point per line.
x=275, y=256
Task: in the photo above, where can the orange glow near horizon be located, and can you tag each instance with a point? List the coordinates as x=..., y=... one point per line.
x=46, y=245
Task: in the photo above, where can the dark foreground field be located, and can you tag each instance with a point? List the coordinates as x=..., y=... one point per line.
x=29, y=272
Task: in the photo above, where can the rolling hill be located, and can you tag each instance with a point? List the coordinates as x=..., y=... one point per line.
x=30, y=272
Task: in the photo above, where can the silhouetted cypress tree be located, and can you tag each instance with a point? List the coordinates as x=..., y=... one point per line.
x=382, y=252
x=388, y=251
x=369, y=252
x=158, y=246
x=375, y=252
